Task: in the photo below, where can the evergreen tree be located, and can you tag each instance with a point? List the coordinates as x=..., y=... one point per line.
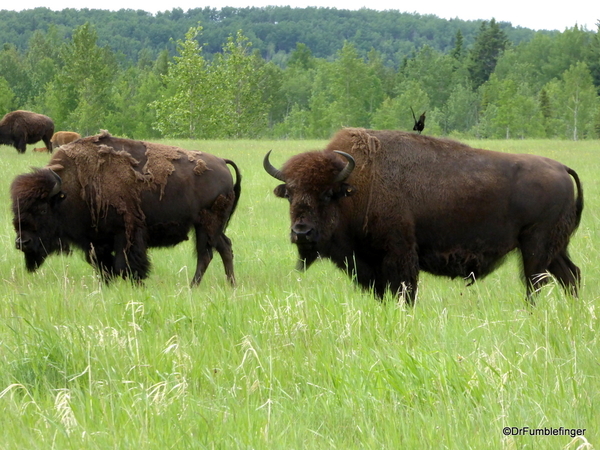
x=457, y=51
x=546, y=109
x=80, y=96
x=593, y=58
x=489, y=45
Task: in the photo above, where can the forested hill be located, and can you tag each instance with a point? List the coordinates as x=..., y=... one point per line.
x=274, y=31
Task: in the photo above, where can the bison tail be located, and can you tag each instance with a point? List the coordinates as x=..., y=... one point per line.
x=237, y=187
x=579, y=200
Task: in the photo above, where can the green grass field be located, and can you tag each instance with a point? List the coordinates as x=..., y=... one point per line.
x=290, y=360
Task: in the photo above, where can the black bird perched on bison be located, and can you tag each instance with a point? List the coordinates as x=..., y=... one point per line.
x=419, y=124
x=114, y=198
x=384, y=205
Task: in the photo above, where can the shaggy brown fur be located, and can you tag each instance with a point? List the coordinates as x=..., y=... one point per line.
x=19, y=128
x=421, y=203
x=121, y=196
x=64, y=137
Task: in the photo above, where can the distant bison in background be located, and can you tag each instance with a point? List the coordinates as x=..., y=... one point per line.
x=63, y=137
x=384, y=205
x=114, y=198
x=40, y=150
x=19, y=128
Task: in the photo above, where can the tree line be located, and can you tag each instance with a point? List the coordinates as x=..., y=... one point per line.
x=493, y=87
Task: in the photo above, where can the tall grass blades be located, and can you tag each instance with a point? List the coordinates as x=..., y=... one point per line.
x=293, y=360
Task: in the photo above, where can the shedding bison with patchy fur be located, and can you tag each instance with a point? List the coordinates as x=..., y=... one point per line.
x=114, y=198
x=19, y=128
x=384, y=205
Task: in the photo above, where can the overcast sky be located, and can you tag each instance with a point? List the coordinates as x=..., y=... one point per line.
x=553, y=15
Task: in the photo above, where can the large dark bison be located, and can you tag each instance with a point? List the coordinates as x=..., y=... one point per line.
x=383, y=205
x=113, y=198
x=19, y=128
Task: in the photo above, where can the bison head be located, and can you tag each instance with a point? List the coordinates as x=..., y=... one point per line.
x=315, y=185
x=35, y=199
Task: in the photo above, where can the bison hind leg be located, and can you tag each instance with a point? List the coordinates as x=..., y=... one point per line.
x=567, y=273
x=223, y=246
x=210, y=226
x=204, y=254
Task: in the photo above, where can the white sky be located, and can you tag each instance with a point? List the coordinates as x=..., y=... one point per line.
x=549, y=15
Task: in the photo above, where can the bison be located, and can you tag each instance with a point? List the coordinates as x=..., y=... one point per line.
x=113, y=198
x=19, y=128
x=63, y=137
x=384, y=205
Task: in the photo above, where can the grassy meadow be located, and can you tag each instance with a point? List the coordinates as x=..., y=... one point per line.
x=290, y=360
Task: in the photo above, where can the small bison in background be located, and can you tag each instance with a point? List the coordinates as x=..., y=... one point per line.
x=114, y=198
x=384, y=205
x=63, y=137
x=19, y=128
x=40, y=150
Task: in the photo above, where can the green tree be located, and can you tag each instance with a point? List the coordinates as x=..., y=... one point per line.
x=511, y=111
x=457, y=51
x=42, y=60
x=6, y=97
x=575, y=102
x=181, y=110
x=489, y=45
x=356, y=90
x=14, y=70
x=434, y=71
x=593, y=57
x=80, y=95
x=459, y=114
x=241, y=77
x=396, y=114
x=546, y=109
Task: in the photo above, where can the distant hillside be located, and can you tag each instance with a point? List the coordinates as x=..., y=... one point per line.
x=274, y=31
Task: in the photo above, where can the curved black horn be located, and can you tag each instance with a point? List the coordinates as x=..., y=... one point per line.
x=271, y=170
x=57, y=184
x=346, y=171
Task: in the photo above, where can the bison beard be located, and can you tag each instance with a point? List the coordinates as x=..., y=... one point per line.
x=416, y=203
x=115, y=198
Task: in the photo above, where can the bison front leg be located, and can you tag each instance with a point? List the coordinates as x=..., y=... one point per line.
x=131, y=259
x=101, y=258
x=399, y=272
x=21, y=145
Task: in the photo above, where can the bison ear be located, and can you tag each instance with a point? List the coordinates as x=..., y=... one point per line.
x=280, y=191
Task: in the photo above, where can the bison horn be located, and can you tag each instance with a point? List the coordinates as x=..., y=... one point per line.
x=57, y=184
x=271, y=170
x=346, y=171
